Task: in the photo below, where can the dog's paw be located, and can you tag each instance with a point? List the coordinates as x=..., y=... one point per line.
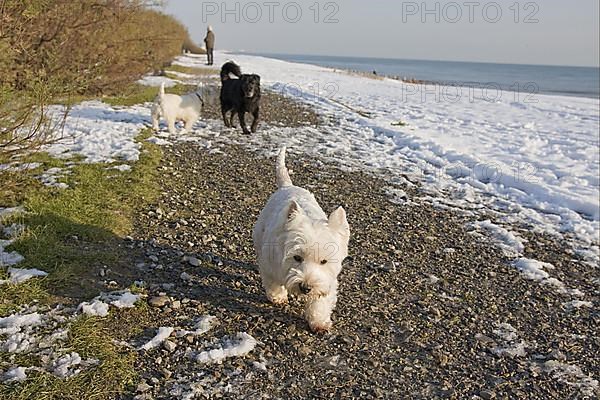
x=320, y=327
x=280, y=301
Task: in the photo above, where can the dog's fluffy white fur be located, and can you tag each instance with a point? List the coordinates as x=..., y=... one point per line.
x=300, y=250
x=173, y=108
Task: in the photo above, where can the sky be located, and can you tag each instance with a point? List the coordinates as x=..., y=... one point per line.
x=549, y=32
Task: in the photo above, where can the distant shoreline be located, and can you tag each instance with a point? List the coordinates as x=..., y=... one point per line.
x=468, y=85
x=525, y=79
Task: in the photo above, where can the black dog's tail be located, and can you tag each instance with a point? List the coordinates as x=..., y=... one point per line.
x=230, y=68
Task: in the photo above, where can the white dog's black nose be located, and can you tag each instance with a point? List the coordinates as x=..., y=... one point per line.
x=304, y=288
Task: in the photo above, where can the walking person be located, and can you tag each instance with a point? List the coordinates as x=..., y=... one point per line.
x=209, y=40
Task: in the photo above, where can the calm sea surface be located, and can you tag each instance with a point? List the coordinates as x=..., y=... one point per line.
x=558, y=80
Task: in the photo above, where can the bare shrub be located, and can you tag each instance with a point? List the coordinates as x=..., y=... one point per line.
x=53, y=49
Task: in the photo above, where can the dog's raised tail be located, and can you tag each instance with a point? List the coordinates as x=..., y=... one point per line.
x=161, y=92
x=283, y=175
x=230, y=68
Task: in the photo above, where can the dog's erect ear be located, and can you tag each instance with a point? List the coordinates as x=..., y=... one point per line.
x=337, y=220
x=294, y=210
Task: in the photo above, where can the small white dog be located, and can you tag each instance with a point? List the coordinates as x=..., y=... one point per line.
x=300, y=250
x=173, y=108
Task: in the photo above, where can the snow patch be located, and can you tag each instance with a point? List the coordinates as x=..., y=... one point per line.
x=8, y=258
x=18, y=275
x=96, y=308
x=16, y=167
x=50, y=178
x=510, y=244
x=98, y=132
x=260, y=365
x=18, y=343
x=99, y=305
x=9, y=212
x=13, y=323
x=70, y=365
x=18, y=328
x=162, y=335
x=577, y=304
x=205, y=324
x=63, y=367
x=122, y=168
x=536, y=271
x=240, y=346
x=571, y=375
x=13, y=231
x=533, y=269
x=121, y=299
x=58, y=335
x=15, y=374
x=511, y=345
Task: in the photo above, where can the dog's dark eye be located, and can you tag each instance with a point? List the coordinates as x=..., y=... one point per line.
x=323, y=262
x=298, y=259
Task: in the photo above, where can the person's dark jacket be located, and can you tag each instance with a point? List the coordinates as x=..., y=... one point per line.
x=209, y=40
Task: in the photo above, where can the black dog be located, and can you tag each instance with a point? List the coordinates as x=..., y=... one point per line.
x=240, y=96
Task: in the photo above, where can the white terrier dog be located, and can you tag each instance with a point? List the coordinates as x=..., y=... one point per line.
x=174, y=108
x=300, y=250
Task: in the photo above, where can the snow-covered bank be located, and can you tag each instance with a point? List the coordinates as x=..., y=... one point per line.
x=99, y=132
x=535, y=159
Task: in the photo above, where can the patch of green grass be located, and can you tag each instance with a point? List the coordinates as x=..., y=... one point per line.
x=192, y=70
x=139, y=94
x=130, y=95
x=14, y=185
x=48, y=160
x=12, y=296
x=69, y=233
x=72, y=233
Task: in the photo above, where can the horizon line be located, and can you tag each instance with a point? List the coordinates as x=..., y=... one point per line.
x=415, y=59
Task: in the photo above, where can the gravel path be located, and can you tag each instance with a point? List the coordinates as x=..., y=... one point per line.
x=427, y=309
